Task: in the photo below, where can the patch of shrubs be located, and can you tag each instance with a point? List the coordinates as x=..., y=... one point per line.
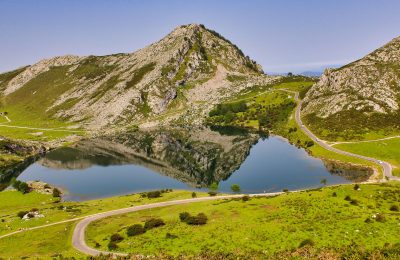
x=200, y=219
x=306, y=242
x=245, y=198
x=116, y=238
x=212, y=193
x=21, y=214
x=154, y=194
x=135, y=230
x=112, y=245
x=170, y=236
x=394, y=208
x=153, y=223
x=21, y=186
x=380, y=218
x=56, y=193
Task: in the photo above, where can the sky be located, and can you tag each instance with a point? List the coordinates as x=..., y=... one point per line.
x=282, y=36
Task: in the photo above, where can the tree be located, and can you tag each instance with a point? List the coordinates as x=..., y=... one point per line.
x=235, y=188
x=214, y=186
x=56, y=193
x=324, y=181
x=194, y=195
x=290, y=74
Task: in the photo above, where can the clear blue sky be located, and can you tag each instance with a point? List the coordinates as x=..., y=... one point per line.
x=284, y=35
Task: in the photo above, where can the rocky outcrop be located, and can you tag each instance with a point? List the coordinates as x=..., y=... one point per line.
x=357, y=98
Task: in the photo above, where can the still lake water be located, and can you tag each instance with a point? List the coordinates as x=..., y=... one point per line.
x=268, y=165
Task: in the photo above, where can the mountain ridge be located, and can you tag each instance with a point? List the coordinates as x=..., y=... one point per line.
x=129, y=88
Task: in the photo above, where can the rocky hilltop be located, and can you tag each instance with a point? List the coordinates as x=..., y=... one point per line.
x=364, y=94
x=177, y=79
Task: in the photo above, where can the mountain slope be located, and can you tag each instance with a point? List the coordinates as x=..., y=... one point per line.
x=182, y=76
x=360, y=97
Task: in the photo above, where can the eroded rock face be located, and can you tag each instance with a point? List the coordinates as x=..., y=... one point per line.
x=369, y=85
x=134, y=88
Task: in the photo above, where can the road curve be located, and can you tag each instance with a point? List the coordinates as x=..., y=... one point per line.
x=78, y=237
x=387, y=167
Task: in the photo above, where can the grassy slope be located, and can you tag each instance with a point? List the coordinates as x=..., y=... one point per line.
x=264, y=226
x=387, y=150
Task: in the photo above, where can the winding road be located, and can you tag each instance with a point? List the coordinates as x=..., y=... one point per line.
x=387, y=167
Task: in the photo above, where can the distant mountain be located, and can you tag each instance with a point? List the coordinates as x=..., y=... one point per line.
x=178, y=78
x=359, y=97
x=311, y=73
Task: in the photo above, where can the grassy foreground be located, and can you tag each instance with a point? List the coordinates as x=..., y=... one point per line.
x=322, y=219
x=306, y=224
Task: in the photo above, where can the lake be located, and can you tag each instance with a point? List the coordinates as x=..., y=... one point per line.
x=190, y=160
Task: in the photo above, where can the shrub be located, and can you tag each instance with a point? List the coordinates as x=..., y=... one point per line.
x=97, y=245
x=116, y=238
x=245, y=198
x=153, y=223
x=334, y=194
x=367, y=220
x=56, y=193
x=354, y=202
x=112, y=246
x=235, y=188
x=394, y=208
x=348, y=198
x=135, y=230
x=47, y=186
x=194, y=195
x=214, y=186
x=306, y=242
x=171, y=236
x=24, y=188
x=356, y=187
x=183, y=216
x=285, y=190
x=380, y=218
x=153, y=194
x=21, y=214
x=212, y=193
x=200, y=219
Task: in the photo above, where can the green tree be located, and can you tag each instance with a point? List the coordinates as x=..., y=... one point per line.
x=235, y=188
x=214, y=186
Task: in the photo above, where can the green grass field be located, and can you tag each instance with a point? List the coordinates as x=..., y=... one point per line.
x=264, y=227
x=261, y=227
x=387, y=150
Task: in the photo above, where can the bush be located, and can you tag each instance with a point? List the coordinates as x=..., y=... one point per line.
x=306, y=242
x=334, y=194
x=21, y=214
x=394, y=208
x=285, y=190
x=356, y=187
x=348, y=198
x=367, y=220
x=354, y=202
x=153, y=194
x=183, y=216
x=21, y=186
x=153, y=223
x=200, y=219
x=235, y=188
x=245, y=198
x=212, y=193
x=170, y=236
x=214, y=186
x=194, y=195
x=116, y=238
x=112, y=246
x=56, y=193
x=380, y=218
x=135, y=230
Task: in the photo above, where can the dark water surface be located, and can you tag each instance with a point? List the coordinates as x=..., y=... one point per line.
x=141, y=162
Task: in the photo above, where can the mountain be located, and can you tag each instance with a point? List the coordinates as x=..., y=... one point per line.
x=359, y=97
x=178, y=78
